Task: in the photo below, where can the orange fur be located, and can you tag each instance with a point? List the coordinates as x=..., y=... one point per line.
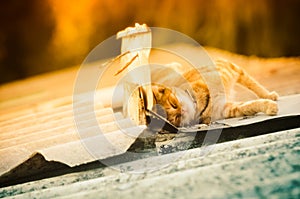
x=211, y=88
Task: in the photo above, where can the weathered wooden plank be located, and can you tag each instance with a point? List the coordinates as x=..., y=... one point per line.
x=135, y=49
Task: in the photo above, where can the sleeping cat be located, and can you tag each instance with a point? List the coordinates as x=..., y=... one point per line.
x=205, y=97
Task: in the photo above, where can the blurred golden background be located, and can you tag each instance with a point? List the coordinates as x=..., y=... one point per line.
x=38, y=36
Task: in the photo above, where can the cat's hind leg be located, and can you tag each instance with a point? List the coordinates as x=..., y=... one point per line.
x=249, y=82
x=238, y=109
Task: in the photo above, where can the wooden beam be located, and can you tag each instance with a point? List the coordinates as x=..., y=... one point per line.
x=135, y=50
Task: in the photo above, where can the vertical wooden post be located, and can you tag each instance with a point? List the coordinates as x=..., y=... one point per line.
x=136, y=46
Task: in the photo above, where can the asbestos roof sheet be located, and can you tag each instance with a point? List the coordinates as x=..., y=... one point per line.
x=37, y=124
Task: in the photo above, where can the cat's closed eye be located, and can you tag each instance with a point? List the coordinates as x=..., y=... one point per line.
x=173, y=103
x=161, y=89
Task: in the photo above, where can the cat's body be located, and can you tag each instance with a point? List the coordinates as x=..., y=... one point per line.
x=203, y=95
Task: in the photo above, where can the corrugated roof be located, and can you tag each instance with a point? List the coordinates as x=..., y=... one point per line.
x=38, y=135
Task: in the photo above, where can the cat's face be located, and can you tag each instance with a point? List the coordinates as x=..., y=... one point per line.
x=173, y=104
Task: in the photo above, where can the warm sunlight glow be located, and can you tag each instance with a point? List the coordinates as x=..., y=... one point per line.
x=73, y=26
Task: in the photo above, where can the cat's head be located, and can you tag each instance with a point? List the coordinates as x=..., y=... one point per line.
x=174, y=104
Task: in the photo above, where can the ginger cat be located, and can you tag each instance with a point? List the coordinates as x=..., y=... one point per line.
x=205, y=98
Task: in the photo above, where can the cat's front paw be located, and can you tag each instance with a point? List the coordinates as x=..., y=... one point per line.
x=273, y=96
x=272, y=108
